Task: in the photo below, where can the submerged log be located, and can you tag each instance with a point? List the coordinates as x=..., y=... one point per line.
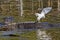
x=31, y=25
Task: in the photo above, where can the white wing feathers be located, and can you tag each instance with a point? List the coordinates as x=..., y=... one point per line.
x=46, y=10
x=42, y=15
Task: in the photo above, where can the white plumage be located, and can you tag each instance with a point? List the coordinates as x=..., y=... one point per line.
x=42, y=15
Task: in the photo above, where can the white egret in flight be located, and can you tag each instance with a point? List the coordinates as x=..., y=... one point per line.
x=42, y=15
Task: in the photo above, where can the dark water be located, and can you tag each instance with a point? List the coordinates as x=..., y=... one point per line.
x=11, y=34
x=7, y=33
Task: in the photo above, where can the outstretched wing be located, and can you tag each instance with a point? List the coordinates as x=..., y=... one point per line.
x=46, y=10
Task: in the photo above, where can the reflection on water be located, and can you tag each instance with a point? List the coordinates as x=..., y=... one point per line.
x=40, y=34
x=7, y=34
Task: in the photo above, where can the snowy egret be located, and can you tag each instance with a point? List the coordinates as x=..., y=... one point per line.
x=42, y=15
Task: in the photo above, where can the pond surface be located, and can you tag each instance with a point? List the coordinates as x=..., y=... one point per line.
x=15, y=34
x=28, y=34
